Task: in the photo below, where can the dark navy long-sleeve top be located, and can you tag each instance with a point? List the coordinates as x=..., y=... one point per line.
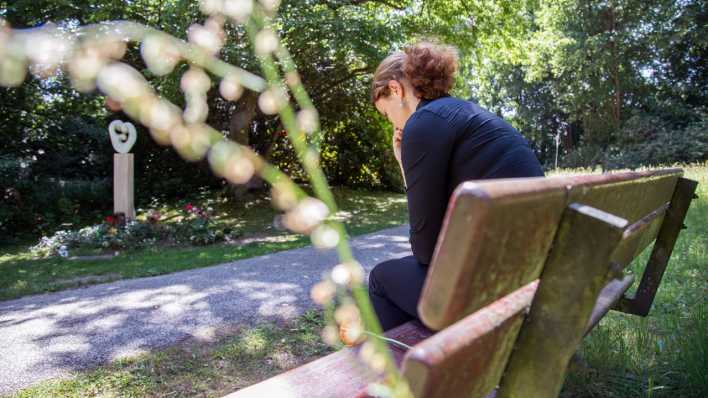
x=448, y=141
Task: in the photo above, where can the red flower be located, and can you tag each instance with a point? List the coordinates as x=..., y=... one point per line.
x=189, y=207
x=115, y=219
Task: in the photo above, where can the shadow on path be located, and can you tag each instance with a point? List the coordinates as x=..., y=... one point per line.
x=52, y=335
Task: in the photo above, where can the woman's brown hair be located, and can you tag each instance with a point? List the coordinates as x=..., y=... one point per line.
x=430, y=68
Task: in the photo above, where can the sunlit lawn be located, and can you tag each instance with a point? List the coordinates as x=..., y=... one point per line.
x=198, y=368
x=362, y=211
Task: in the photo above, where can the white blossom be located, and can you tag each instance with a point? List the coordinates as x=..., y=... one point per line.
x=266, y=42
x=239, y=10
x=230, y=88
x=160, y=54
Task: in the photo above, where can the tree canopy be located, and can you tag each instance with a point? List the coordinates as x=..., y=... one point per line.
x=619, y=83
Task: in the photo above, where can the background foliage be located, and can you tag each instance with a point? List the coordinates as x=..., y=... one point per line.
x=621, y=83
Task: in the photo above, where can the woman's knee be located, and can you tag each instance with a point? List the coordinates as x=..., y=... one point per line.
x=391, y=273
x=377, y=277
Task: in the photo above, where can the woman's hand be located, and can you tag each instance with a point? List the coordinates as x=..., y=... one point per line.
x=396, y=140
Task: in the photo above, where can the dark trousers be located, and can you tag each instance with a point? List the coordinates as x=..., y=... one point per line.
x=394, y=288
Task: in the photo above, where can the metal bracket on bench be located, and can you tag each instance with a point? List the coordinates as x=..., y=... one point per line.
x=641, y=303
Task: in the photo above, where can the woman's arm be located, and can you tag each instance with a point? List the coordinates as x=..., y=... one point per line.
x=426, y=151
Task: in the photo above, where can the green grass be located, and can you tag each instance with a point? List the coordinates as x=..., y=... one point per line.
x=362, y=212
x=666, y=353
x=197, y=368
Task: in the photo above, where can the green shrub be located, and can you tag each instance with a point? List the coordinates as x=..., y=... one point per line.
x=650, y=141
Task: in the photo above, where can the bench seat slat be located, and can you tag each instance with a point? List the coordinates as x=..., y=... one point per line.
x=343, y=372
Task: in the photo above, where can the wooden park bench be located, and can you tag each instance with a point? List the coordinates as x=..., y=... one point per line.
x=523, y=269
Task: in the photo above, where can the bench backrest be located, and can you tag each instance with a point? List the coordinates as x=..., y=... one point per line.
x=493, y=246
x=583, y=276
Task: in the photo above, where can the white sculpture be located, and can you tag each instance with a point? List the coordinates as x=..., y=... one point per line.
x=123, y=135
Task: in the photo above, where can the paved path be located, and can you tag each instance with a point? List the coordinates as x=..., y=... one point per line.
x=51, y=335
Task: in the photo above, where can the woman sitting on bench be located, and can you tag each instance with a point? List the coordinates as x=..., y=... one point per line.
x=439, y=141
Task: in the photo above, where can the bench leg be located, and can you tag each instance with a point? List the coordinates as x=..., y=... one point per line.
x=575, y=272
x=641, y=303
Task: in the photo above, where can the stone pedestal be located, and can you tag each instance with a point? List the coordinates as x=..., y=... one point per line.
x=123, y=173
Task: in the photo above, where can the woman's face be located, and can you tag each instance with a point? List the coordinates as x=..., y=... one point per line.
x=395, y=106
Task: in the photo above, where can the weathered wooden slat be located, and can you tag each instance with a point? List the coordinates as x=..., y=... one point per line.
x=410, y=334
x=495, y=240
x=343, y=372
x=638, y=236
x=572, y=279
x=609, y=295
x=467, y=358
x=665, y=241
x=630, y=195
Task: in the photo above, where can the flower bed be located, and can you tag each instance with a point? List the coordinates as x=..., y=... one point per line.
x=195, y=227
